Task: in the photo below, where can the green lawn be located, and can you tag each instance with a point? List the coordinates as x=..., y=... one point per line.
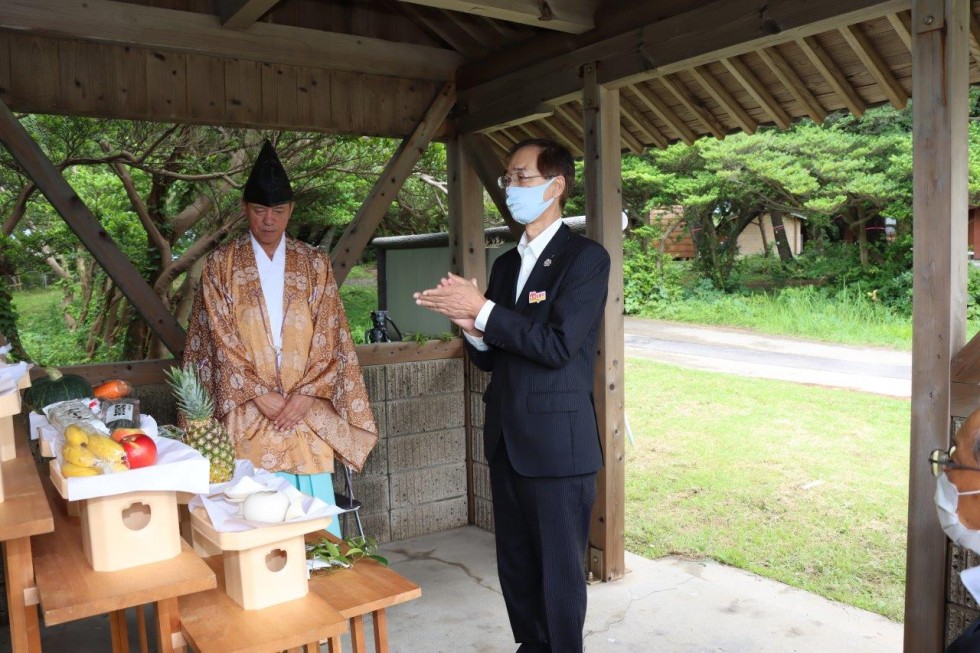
x=804, y=485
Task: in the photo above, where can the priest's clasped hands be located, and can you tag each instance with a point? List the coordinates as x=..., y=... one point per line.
x=282, y=412
x=456, y=298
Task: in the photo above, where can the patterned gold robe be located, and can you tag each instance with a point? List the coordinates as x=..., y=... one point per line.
x=228, y=340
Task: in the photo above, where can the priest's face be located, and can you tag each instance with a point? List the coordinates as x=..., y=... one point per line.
x=268, y=223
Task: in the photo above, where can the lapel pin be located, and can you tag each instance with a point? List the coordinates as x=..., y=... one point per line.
x=547, y=262
x=536, y=296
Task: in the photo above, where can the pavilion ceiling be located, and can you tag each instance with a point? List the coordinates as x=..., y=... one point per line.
x=372, y=66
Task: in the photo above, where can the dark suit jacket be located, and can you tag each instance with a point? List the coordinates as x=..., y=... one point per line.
x=542, y=358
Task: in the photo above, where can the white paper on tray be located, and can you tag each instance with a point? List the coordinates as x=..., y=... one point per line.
x=226, y=517
x=178, y=467
x=10, y=376
x=41, y=427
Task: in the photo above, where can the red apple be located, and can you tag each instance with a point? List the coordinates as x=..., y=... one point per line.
x=141, y=450
x=119, y=434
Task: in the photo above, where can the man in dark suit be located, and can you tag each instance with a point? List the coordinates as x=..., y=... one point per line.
x=535, y=331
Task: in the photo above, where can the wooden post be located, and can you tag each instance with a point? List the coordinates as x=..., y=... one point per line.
x=488, y=167
x=80, y=220
x=468, y=258
x=603, y=210
x=940, y=52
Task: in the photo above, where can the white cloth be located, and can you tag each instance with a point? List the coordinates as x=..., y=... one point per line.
x=530, y=252
x=272, y=276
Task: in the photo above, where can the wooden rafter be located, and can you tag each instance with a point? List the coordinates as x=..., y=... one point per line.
x=107, y=21
x=901, y=23
x=360, y=231
x=561, y=135
x=477, y=29
x=631, y=45
x=974, y=38
x=573, y=118
x=725, y=100
x=659, y=107
x=792, y=83
x=80, y=220
x=571, y=16
x=635, y=116
x=679, y=91
x=628, y=141
x=242, y=14
x=754, y=86
x=833, y=75
x=445, y=29
x=876, y=65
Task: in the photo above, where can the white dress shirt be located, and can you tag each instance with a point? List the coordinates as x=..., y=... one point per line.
x=529, y=252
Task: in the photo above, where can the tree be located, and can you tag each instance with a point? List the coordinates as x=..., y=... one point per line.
x=168, y=195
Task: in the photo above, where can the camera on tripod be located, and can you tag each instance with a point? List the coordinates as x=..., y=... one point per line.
x=379, y=330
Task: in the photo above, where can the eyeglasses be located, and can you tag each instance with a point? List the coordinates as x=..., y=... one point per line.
x=506, y=180
x=940, y=459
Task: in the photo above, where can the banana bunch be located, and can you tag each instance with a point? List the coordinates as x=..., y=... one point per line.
x=89, y=454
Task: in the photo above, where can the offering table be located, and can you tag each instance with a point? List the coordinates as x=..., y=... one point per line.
x=366, y=587
x=213, y=623
x=24, y=512
x=69, y=589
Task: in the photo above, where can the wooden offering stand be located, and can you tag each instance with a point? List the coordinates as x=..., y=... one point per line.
x=367, y=587
x=70, y=589
x=263, y=566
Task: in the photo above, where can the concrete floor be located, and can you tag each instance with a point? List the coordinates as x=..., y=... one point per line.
x=667, y=605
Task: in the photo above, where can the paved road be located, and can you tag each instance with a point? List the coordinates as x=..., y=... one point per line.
x=732, y=351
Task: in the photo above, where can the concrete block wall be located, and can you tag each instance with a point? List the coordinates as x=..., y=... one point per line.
x=414, y=482
x=482, y=499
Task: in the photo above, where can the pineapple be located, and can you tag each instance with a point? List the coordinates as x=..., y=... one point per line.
x=201, y=430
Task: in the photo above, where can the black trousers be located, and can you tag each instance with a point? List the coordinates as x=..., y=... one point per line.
x=542, y=531
x=968, y=641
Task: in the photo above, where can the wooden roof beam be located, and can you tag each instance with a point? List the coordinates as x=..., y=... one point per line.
x=876, y=65
x=792, y=82
x=901, y=22
x=665, y=113
x=679, y=91
x=570, y=16
x=632, y=45
x=635, y=116
x=242, y=14
x=575, y=120
x=758, y=91
x=725, y=100
x=832, y=73
x=359, y=232
x=106, y=21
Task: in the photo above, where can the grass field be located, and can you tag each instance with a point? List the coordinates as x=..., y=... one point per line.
x=804, y=485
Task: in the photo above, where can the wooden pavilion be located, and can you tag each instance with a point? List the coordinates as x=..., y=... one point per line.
x=602, y=77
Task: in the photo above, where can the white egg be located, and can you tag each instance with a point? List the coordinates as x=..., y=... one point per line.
x=267, y=506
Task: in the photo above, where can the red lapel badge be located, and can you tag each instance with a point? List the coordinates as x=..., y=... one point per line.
x=536, y=296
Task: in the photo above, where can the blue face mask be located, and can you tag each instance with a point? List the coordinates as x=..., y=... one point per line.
x=527, y=203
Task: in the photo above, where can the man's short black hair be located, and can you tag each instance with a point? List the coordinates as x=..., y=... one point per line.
x=553, y=160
